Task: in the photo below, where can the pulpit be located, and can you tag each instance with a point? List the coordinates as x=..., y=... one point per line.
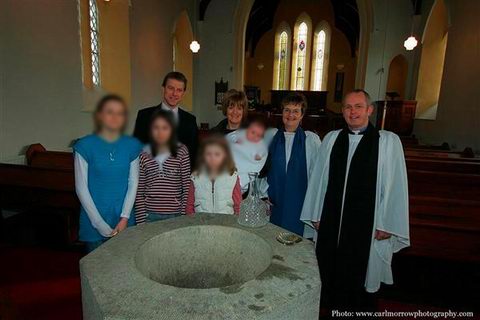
x=399, y=116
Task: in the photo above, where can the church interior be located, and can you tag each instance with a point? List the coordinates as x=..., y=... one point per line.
x=418, y=59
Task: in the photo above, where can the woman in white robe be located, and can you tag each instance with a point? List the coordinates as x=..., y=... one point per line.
x=292, y=153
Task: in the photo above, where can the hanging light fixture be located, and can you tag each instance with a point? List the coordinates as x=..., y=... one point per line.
x=411, y=41
x=194, y=45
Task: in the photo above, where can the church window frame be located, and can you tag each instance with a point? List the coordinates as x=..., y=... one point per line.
x=282, y=55
x=302, y=52
x=321, y=53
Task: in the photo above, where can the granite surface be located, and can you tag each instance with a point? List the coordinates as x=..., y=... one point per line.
x=202, y=267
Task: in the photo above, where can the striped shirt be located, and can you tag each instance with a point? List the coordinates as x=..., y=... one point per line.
x=165, y=190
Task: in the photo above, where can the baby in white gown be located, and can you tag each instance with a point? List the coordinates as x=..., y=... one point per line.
x=249, y=150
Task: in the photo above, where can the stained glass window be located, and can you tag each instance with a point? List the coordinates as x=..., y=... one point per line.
x=301, y=56
x=282, y=58
x=319, y=60
x=94, y=48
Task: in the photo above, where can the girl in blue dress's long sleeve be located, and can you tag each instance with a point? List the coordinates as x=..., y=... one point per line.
x=106, y=174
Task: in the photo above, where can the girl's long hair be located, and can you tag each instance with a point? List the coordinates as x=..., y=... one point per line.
x=215, y=140
x=172, y=142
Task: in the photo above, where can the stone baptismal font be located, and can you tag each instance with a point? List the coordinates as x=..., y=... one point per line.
x=202, y=267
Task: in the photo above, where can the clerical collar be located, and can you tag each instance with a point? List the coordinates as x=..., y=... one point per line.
x=360, y=131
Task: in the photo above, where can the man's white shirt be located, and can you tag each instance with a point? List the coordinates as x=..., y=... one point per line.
x=174, y=110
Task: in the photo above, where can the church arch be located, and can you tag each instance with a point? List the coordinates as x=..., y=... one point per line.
x=397, y=75
x=182, y=55
x=434, y=45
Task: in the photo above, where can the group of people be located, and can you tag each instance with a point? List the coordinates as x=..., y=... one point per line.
x=349, y=193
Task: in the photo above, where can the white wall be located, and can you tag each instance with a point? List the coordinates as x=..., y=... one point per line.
x=41, y=91
x=41, y=76
x=392, y=21
x=151, y=28
x=151, y=50
x=458, y=115
x=215, y=58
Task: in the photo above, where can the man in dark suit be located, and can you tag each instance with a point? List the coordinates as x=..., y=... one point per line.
x=174, y=88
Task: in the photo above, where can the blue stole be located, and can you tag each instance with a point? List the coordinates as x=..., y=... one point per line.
x=287, y=189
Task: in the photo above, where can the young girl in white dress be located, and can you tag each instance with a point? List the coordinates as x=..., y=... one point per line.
x=215, y=186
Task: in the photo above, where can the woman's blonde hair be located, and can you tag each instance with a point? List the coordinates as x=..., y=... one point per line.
x=233, y=98
x=215, y=140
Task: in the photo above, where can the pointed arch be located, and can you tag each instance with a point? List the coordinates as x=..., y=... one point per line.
x=301, y=53
x=366, y=17
x=182, y=55
x=321, y=53
x=282, y=54
x=240, y=20
x=397, y=75
x=430, y=74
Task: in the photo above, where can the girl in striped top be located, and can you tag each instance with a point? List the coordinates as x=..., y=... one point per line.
x=215, y=186
x=164, y=176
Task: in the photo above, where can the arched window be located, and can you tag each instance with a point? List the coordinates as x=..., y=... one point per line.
x=94, y=47
x=321, y=50
x=105, y=46
x=301, y=63
x=282, y=57
x=281, y=65
x=301, y=58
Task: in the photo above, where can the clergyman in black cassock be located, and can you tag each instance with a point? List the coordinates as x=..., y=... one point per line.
x=358, y=199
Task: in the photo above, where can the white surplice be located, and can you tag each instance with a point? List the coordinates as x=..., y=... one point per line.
x=391, y=203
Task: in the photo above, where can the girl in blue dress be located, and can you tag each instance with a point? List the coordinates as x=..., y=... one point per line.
x=106, y=174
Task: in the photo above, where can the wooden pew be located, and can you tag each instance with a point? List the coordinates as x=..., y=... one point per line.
x=38, y=156
x=46, y=184
x=442, y=228
x=444, y=200
x=439, y=154
x=444, y=209
x=444, y=184
x=443, y=165
x=36, y=190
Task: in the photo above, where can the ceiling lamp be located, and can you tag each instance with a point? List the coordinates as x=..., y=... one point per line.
x=410, y=43
x=194, y=46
